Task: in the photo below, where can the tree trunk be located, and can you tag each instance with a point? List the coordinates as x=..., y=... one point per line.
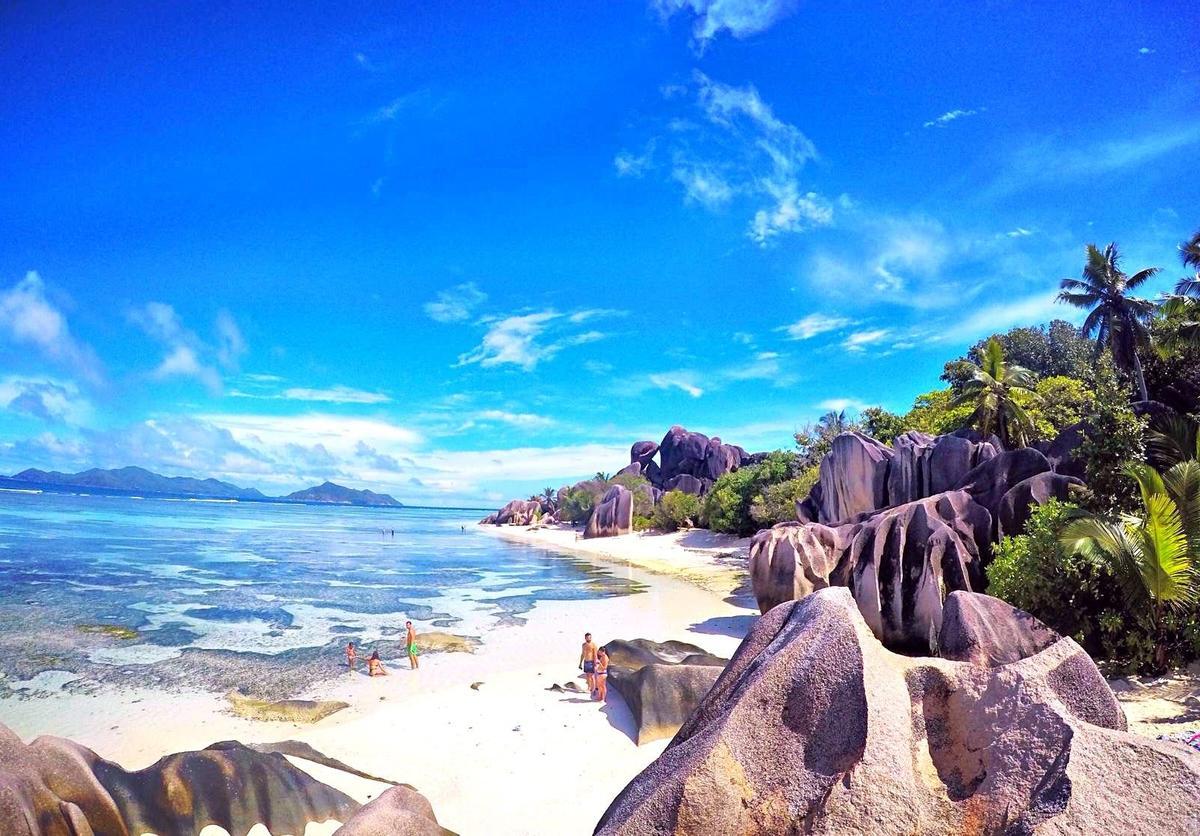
x=1138, y=375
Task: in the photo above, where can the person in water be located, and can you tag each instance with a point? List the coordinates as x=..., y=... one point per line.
x=351, y=655
x=374, y=666
x=587, y=661
x=410, y=639
x=601, y=675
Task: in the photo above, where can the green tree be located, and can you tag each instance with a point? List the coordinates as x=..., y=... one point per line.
x=936, y=413
x=882, y=425
x=729, y=503
x=814, y=441
x=1059, y=403
x=676, y=510
x=549, y=498
x=1113, y=435
x=1117, y=320
x=1153, y=554
x=776, y=503
x=993, y=391
x=1179, y=314
x=1054, y=350
x=577, y=505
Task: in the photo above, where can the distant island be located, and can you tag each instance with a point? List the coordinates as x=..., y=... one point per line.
x=127, y=481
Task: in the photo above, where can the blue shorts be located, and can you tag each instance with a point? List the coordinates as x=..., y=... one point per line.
x=589, y=667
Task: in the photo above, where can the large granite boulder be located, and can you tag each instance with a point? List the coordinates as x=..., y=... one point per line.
x=898, y=562
x=1018, y=502
x=792, y=560
x=54, y=787
x=642, y=452
x=399, y=811
x=662, y=683
x=688, y=484
x=925, y=465
x=992, y=479
x=854, y=478
x=518, y=512
x=695, y=454
x=631, y=469
x=814, y=727
x=1062, y=453
x=613, y=514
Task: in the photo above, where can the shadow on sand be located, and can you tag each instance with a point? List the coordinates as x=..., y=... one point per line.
x=615, y=711
x=736, y=626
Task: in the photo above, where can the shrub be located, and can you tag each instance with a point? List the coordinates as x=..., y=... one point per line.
x=729, y=505
x=577, y=505
x=1112, y=436
x=1079, y=595
x=777, y=503
x=935, y=414
x=676, y=510
x=882, y=425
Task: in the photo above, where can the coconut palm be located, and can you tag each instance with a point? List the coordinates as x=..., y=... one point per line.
x=1154, y=555
x=1181, y=312
x=601, y=476
x=549, y=497
x=993, y=390
x=1117, y=320
x=833, y=423
x=1172, y=439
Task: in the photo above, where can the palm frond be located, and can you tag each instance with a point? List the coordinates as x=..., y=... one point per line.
x=1107, y=542
x=1165, y=564
x=1141, y=277
x=1172, y=439
x=1182, y=483
x=1189, y=286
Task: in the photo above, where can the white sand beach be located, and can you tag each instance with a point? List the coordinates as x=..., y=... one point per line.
x=509, y=757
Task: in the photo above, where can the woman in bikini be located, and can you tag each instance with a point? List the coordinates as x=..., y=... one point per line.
x=601, y=674
x=374, y=666
x=351, y=655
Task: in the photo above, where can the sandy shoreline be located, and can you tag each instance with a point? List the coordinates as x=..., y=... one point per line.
x=508, y=758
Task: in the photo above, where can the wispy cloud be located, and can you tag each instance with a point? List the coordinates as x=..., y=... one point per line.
x=1146, y=51
x=740, y=18
x=1019, y=232
x=990, y=319
x=335, y=394
x=953, y=116
x=629, y=164
x=185, y=354
x=48, y=399
x=729, y=146
x=29, y=318
x=522, y=420
x=859, y=340
x=814, y=325
x=391, y=111
x=1051, y=160
x=681, y=380
x=840, y=404
x=526, y=339
x=456, y=304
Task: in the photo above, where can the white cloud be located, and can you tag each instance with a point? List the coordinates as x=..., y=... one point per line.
x=335, y=394
x=629, y=164
x=814, y=325
x=51, y=400
x=951, y=116
x=1146, y=51
x=456, y=304
x=683, y=381
x=524, y=420
x=859, y=340
x=733, y=147
x=185, y=354
x=1030, y=310
x=231, y=345
x=1053, y=160
x=28, y=317
x=1019, y=232
x=840, y=404
x=740, y=18
x=517, y=340
x=392, y=110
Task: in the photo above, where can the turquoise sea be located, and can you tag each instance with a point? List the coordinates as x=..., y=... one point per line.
x=269, y=580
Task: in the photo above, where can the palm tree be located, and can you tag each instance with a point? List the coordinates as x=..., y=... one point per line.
x=1116, y=319
x=549, y=497
x=1181, y=312
x=833, y=423
x=1154, y=555
x=993, y=388
x=601, y=476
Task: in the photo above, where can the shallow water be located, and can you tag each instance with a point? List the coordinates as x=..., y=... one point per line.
x=253, y=577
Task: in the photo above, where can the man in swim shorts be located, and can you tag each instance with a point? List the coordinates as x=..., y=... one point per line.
x=410, y=639
x=587, y=661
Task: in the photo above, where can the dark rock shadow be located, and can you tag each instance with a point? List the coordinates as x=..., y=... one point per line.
x=736, y=626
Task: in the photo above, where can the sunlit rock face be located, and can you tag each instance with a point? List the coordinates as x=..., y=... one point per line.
x=613, y=514
x=815, y=727
x=54, y=787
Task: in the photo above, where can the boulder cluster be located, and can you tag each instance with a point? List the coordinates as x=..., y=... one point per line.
x=684, y=461
x=815, y=727
x=55, y=787
x=902, y=526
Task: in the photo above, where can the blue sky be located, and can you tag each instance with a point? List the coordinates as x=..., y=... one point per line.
x=459, y=252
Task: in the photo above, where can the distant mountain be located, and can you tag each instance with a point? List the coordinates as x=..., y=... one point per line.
x=141, y=482
x=329, y=492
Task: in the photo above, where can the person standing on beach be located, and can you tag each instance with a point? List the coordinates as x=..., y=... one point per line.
x=587, y=661
x=410, y=640
x=601, y=675
x=351, y=655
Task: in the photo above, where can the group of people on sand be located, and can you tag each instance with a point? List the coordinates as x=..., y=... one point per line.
x=375, y=664
x=593, y=661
